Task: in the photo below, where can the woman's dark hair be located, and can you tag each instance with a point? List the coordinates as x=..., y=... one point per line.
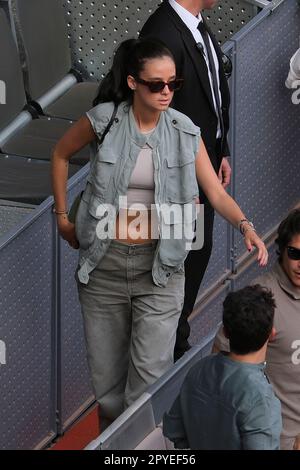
x=248, y=316
x=288, y=228
x=129, y=59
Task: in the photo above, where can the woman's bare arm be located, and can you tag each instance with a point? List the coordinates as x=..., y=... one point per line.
x=77, y=137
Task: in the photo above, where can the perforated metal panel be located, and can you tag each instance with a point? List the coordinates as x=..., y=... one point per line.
x=244, y=278
x=266, y=125
x=96, y=28
x=11, y=216
x=75, y=386
x=219, y=263
x=228, y=17
x=27, y=387
x=208, y=318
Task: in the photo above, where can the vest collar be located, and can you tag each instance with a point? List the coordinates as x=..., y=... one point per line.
x=140, y=139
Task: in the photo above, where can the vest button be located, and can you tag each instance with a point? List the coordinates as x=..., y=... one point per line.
x=174, y=121
x=168, y=274
x=116, y=120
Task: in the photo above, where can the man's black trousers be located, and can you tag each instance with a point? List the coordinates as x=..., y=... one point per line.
x=195, y=267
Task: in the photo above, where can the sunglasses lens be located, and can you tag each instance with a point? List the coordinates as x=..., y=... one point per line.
x=155, y=87
x=175, y=85
x=172, y=85
x=293, y=253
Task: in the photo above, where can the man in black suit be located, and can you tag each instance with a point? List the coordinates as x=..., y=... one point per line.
x=205, y=99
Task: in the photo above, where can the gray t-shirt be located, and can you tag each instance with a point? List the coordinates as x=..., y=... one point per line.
x=283, y=353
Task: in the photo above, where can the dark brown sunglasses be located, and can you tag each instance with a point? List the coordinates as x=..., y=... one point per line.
x=293, y=253
x=157, y=86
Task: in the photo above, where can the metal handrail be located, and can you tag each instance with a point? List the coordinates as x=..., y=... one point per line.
x=259, y=3
x=266, y=3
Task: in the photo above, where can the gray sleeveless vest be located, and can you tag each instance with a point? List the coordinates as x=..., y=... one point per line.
x=175, y=143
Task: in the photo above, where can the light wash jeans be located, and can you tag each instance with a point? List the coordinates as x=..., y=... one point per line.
x=130, y=324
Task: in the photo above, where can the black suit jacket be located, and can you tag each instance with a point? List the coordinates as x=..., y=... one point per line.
x=195, y=98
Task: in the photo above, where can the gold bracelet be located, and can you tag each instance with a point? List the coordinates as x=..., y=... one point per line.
x=250, y=228
x=59, y=212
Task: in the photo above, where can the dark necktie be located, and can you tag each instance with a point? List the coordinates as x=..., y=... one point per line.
x=204, y=33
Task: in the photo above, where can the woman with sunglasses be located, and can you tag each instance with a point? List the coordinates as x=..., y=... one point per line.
x=134, y=225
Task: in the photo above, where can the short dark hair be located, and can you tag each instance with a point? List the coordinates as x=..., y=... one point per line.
x=288, y=228
x=248, y=316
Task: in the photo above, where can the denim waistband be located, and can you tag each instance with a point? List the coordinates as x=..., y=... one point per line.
x=133, y=248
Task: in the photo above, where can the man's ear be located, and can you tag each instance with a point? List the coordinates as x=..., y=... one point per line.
x=272, y=334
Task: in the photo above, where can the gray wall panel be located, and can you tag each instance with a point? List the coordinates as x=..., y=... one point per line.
x=10, y=216
x=244, y=277
x=208, y=317
x=27, y=388
x=76, y=389
x=96, y=28
x=228, y=17
x=267, y=155
x=219, y=263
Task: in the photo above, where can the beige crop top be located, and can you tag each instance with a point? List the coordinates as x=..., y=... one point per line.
x=141, y=185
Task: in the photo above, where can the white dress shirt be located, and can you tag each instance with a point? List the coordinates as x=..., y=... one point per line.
x=192, y=22
x=294, y=73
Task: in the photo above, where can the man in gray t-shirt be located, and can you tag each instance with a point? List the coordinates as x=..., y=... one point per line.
x=283, y=353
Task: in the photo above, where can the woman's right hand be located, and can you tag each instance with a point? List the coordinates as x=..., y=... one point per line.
x=297, y=443
x=67, y=231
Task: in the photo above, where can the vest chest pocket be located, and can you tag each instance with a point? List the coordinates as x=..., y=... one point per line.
x=91, y=211
x=103, y=171
x=177, y=231
x=181, y=181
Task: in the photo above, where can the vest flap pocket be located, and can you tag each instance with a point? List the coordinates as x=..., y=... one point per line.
x=86, y=195
x=179, y=160
x=104, y=169
x=178, y=213
x=185, y=126
x=98, y=209
x=181, y=181
x=105, y=154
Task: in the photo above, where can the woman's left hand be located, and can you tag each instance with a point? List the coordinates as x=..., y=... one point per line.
x=251, y=240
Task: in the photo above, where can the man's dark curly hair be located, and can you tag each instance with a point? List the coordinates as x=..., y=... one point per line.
x=248, y=316
x=288, y=228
